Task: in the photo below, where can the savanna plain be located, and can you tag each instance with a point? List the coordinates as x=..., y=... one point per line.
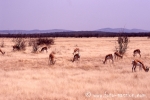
x=29, y=76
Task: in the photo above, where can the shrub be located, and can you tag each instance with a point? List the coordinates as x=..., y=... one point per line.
x=45, y=41
x=20, y=43
x=35, y=43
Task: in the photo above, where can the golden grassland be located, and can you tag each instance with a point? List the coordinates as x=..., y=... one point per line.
x=28, y=76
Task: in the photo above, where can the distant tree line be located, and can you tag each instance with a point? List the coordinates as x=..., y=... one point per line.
x=77, y=34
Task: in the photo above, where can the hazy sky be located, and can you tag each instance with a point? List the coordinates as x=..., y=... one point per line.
x=74, y=14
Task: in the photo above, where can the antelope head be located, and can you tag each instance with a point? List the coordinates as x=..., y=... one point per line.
x=146, y=69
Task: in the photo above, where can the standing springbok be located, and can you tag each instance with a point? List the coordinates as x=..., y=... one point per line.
x=137, y=62
x=110, y=57
x=136, y=51
x=2, y=52
x=117, y=55
x=52, y=57
x=76, y=57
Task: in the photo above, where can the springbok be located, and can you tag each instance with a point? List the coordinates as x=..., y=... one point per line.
x=76, y=57
x=16, y=47
x=52, y=57
x=137, y=62
x=2, y=52
x=76, y=50
x=136, y=51
x=110, y=57
x=117, y=55
x=44, y=48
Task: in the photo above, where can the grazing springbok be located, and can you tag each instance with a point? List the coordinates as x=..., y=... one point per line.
x=110, y=57
x=76, y=57
x=52, y=57
x=2, y=52
x=117, y=55
x=16, y=47
x=76, y=50
x=44, y=48
x=136, y=51
x=137, y=62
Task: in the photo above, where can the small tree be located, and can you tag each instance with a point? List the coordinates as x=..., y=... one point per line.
x=122, y=44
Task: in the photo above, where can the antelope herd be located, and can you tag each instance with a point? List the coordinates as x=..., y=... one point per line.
x=135, y=62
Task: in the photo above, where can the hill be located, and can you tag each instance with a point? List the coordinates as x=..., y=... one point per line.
x=122, y=30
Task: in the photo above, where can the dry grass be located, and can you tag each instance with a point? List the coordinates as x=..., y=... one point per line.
x=28, y=76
